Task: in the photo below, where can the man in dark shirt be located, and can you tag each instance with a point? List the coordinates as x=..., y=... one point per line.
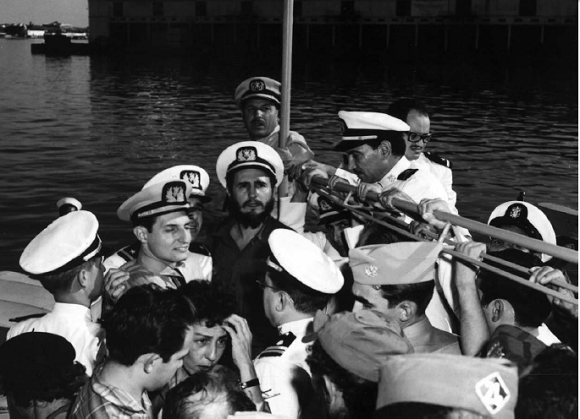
x=250, y=171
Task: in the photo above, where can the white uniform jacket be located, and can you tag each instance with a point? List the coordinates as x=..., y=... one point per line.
x=441, y=169
x=73, y=322
x=280, y=367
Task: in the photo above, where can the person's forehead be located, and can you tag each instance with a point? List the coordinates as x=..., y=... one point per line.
x=364, y=149
x=257, y=102
x=252, y=174
x=215, y=331
x=174, y=218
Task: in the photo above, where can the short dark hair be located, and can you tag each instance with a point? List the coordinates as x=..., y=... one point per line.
x=306, y=300
x=213, y=304
x=420, y=294
x=401, y=108
x=359, y=394
x=531, y=307
x=550, y=387
x=219, y=385
x=62, y=281
x=147, y=319
x=374, y=233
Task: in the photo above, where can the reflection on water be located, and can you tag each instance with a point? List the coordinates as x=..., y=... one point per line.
x=98, y=129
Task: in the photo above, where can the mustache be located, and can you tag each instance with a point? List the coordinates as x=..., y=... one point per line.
x=253, y=202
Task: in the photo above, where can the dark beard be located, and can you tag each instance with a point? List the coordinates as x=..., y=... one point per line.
x=250, y=219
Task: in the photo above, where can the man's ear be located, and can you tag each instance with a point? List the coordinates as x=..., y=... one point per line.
x=83, y=278
x=407, y=310
x=385, y=148
x=149, y=361
x=334, y=393
x=283, y=301
x=141, y=233
x=498, y=310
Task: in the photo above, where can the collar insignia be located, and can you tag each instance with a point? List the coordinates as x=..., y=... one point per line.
x=246, y=154
x=493, y=392
x=257, y=85
x=192, y=177
x=371, y=270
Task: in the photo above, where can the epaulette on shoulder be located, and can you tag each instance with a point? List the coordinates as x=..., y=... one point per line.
x=406, y=174
x=281, y=345
x=199, y=248
x=128, y=253
x=438, y=159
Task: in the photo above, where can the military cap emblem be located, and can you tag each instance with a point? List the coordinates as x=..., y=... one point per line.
x=257, y=85
x=493, y=392
x=174, y=192
x=371, y=270
x=516, y=211
x=246, y=154
x=192, y=177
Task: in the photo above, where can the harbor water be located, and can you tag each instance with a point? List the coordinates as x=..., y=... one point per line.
x=97, y=128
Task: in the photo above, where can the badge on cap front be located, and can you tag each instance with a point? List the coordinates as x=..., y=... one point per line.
x=371, y=270
x=173, y=192
x=247, y=154
x=192, y=177
x=493, y=392
x=257, y=85
x=515, y=211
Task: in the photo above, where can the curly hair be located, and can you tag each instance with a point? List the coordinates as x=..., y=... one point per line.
x=147, y=319
x=359, y=395
x=216, y=386
x=213, y=304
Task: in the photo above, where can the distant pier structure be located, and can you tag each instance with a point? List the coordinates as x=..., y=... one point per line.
x=396, y=28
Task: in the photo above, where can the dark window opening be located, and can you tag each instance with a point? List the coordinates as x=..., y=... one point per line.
x=201, y=8
x=403, y=8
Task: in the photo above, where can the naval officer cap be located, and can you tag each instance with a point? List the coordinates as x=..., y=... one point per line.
x=300, y=258
x=258, y=87
x=68, y=204
x=249, y=155
x=360, y=342
x=68, y=242
x=195, y=175
x=487, y=386
x=394, y=264
x=527, y=217
x=362, y=127
x=158, y=199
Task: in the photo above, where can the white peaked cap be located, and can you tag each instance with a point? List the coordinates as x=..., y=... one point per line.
x=67, y=242
x=195, y=175
x=305, y=261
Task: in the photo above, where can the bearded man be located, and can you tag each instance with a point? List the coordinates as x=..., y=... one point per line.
x=250, y=171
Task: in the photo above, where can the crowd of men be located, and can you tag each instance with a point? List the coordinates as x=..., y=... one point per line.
x=273, y=317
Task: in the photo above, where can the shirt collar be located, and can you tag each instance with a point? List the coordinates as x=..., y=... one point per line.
x=297, y=327
x=402, y=165
x=420, y=328
x=75, y=311
x=120, y=398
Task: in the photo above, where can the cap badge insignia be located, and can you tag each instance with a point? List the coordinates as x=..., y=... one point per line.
x=371, y=270
x=515, y=212
x=192, y=177
x=493, y=392
x=257, y=85
x=246, y=154
x=173, y=193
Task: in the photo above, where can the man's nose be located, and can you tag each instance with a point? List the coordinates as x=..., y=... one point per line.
x=351, y=163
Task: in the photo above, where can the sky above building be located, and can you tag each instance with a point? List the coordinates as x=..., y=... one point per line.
x=74, y=12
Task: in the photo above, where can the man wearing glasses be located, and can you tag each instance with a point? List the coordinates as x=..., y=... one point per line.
x=415, y=114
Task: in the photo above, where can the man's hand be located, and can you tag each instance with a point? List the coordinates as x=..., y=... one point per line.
x=386, y=198
x=465, y=272
x=428, y=206
x=115, y=283
x=545, y=275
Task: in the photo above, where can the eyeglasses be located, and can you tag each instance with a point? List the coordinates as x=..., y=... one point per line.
x=415, y=138
x=263, y=285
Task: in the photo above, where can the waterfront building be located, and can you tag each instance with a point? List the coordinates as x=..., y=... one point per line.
x=393, y=25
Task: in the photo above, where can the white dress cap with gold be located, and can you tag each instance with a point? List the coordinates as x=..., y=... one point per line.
x=249, y=155
x=157, y=199
x=304, y=261
x=360, y=127
x=258, y=87
x=195, y=175
x=67, y=242
x=394, y=264
x=528, y=218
